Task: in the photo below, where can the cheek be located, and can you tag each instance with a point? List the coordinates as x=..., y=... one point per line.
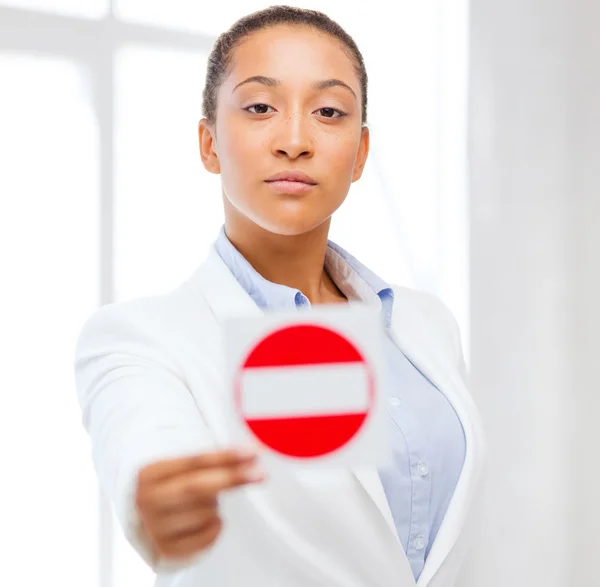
x=238, y=157
x=341, y=155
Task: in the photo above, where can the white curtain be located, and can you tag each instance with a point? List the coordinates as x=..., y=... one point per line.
x=535, y=289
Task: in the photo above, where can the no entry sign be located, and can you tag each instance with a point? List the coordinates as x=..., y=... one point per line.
x=307, y=385
x=305, y=390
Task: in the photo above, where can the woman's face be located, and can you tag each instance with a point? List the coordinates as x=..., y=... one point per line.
x=291, y=104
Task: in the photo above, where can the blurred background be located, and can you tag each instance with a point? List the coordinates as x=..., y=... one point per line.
x=482, y=187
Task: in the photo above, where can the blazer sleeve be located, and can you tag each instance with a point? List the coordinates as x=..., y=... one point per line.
x=136, y=409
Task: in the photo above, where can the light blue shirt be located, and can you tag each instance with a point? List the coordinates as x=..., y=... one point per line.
x=428, y=443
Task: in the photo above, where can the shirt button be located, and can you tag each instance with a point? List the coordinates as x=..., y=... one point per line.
x=419, y=543
x=395, y=402
x=422, y=468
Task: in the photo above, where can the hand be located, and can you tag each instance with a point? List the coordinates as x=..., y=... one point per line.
x=177, y=499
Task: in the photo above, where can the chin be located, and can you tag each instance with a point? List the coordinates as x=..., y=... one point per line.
x=291, y=224
x=286, y=216
x=294, y=217
x=291, y=228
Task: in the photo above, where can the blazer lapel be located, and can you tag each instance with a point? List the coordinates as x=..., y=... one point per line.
x=371, y=483
x=445, y=377
x=408, y=333
x=225, y=296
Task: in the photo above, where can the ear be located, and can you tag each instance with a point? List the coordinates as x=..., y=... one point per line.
x=363, y=153
x=208, y=147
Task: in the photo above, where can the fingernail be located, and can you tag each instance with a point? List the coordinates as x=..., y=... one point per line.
x=254, y=474
x=246, y=452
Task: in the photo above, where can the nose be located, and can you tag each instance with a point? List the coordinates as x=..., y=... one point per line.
x=292, y=137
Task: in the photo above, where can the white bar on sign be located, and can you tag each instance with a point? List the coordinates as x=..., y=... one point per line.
x=304, y=390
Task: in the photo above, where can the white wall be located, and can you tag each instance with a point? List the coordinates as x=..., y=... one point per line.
x=535, y=288
x=584, y=73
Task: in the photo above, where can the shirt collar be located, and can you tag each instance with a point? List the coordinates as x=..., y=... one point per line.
x=358, y=283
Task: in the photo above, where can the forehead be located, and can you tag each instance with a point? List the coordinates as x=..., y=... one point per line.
x=292, y=53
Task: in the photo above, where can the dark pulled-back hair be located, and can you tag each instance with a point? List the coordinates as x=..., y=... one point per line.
x=220, y=58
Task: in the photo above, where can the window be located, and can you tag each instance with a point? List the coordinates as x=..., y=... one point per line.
x=167, y=208
x=49, y=196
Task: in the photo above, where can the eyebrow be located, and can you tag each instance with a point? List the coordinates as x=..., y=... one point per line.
x=320, y=85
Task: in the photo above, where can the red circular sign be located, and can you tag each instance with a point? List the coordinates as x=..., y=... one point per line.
x=304, y=390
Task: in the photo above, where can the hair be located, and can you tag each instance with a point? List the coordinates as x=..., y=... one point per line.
x=221, y=56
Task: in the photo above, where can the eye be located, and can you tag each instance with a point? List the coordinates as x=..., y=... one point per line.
x=258, y=109
x=331, y=113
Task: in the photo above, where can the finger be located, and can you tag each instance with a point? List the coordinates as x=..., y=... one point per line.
x=182, y=524
x=226, y=458
x=171, y=467
x=186, y=546
x=161, y=507
x=184, y=491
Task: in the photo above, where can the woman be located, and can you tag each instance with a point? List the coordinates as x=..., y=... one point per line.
x=285, y=107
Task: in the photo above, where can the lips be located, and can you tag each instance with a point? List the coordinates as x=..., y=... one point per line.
x=292, y=177
x=291, y=187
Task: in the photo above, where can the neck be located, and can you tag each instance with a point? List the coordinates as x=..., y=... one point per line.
x=295, y=261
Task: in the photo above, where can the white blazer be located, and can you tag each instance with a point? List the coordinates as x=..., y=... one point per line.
x=150, y=382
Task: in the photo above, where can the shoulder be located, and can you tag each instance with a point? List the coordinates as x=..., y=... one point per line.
x=426, y=314
x=426, y=305
x=145, y=324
